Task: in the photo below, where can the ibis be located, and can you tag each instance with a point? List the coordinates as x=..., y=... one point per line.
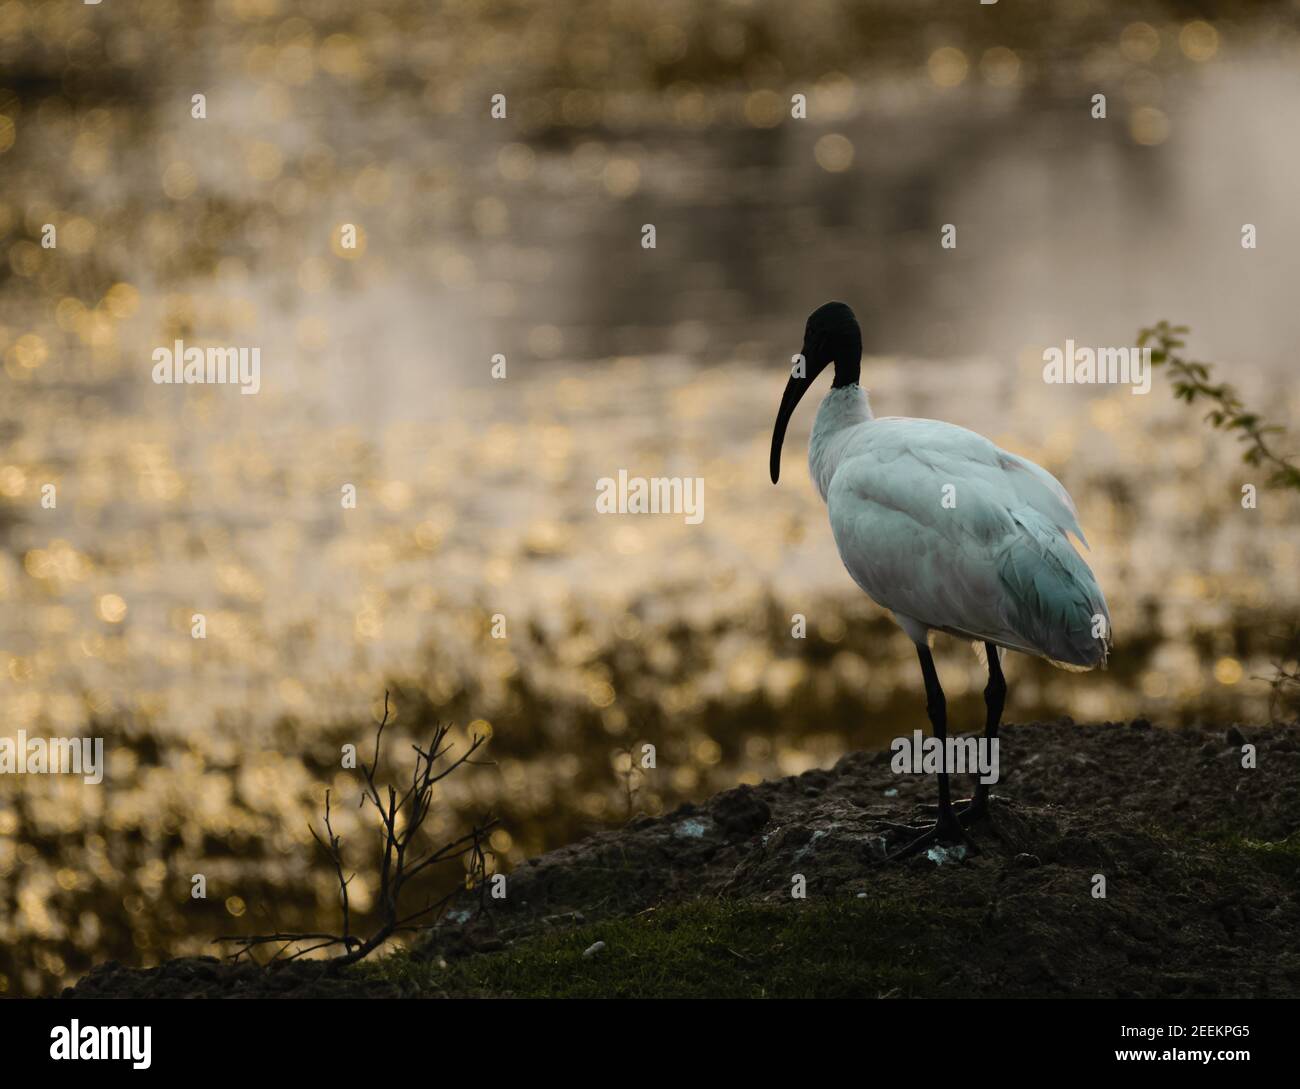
x=948, y=532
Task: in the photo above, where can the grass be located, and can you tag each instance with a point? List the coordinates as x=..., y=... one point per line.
x=851, y=948
x=1280, y=857
x=883, y=945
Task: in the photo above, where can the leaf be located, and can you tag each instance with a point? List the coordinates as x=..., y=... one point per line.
x=1191, y=379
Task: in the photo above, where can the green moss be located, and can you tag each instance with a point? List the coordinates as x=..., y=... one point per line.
x=843, y=948
x=1280, y=857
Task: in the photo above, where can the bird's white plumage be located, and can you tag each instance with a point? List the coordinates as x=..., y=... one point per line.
x=995, y=564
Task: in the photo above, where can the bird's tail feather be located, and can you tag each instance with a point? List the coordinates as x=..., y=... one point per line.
x=1056, y=604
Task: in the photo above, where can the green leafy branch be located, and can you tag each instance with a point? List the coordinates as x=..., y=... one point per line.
x=1192, y=382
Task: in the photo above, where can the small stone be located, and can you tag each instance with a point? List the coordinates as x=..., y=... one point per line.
x=1234, y=737
x=691, y=829
x=1141, y=724
x=592, y=950
x=941, y=855
x=1026, y=861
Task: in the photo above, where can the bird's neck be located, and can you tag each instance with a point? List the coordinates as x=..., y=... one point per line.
x=843, y=409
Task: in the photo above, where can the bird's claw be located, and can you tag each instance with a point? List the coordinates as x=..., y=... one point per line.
x=948, y=831
x=894, y=826
x=968, y=810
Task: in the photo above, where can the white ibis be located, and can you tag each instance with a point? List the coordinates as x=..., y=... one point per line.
x=948, y=532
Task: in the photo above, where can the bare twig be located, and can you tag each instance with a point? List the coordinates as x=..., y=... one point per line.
x=631, y=784
x=1284, y=685
x=401, y=818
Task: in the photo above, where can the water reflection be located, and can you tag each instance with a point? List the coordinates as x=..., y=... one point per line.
x=476, y=497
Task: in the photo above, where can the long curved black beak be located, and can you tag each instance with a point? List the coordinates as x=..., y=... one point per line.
x=794, y=391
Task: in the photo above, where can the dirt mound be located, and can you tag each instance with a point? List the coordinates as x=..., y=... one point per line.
x=1198, y=854
x=1200, y=859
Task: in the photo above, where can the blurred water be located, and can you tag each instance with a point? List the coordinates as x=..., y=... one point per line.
x=477, y=497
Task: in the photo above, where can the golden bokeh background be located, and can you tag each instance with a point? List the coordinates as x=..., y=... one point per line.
x=521, y=236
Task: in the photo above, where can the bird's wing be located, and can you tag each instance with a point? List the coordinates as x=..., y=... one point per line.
x=938, y=524
x=1039, y=490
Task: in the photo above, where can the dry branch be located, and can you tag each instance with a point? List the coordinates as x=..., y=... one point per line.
x=401, y=819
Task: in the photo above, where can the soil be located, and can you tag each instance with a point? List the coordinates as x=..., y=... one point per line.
x=1200, y=857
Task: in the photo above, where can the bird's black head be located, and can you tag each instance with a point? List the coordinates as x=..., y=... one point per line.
x=831, y=336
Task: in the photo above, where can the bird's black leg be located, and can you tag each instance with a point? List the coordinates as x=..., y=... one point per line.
x=947, y=828
x=995, y=697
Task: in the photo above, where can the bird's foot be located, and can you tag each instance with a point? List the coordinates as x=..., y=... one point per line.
x=946, y=831
x=968, y=810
